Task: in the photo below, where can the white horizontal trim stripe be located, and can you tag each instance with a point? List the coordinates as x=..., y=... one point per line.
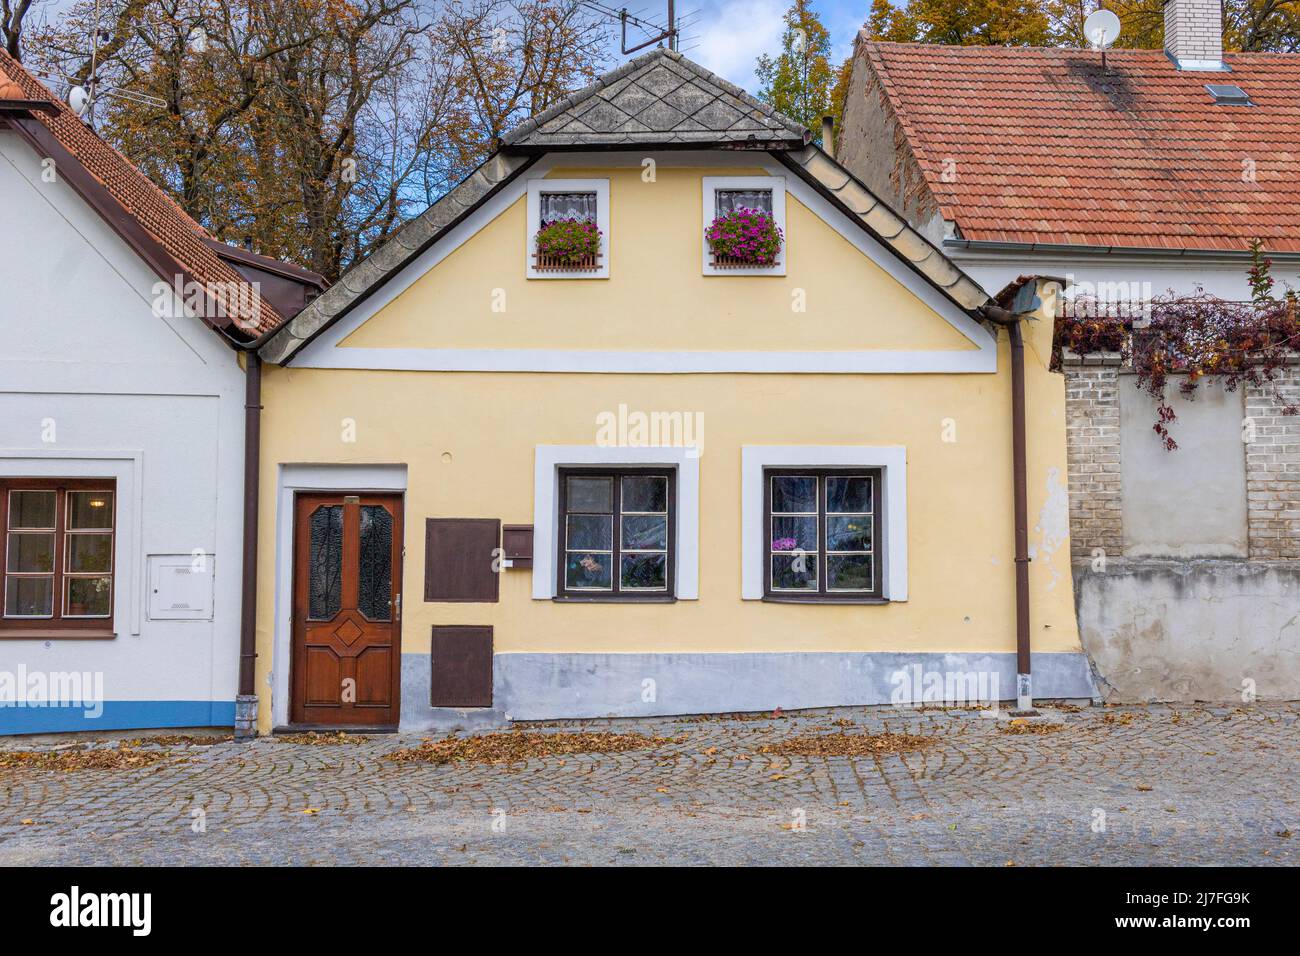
x=561, y=360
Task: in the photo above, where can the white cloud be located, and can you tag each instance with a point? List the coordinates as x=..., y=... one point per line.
x=728, y=37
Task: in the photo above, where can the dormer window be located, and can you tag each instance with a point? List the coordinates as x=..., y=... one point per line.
x=568, y=229
x=744, y=225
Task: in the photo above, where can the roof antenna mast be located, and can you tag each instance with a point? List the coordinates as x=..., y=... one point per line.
x=669, y=34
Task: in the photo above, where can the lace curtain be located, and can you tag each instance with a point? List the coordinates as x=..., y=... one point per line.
x=580, y=206
x=729, y=200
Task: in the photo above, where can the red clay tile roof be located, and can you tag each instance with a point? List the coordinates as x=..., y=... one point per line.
x=182, y=237
x=1050, y=148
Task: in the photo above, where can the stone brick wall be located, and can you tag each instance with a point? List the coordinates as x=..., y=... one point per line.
x=1093, y=455
x=1273, y=469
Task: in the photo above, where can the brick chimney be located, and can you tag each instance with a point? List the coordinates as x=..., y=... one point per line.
x=1194, y=34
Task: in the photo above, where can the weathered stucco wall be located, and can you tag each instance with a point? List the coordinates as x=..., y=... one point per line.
x=1192, y=630
x=1186, y=573
x=94, y=384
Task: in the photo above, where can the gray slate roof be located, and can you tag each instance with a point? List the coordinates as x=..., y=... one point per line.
x=659, y=99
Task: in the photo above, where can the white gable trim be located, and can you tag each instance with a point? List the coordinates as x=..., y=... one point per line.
x=326, y=351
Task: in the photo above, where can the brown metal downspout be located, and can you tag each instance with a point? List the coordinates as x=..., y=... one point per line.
x=246, y=704
x=1024, y=693
x=1020, y=492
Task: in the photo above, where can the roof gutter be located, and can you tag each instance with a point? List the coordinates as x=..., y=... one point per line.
x=1078, y=249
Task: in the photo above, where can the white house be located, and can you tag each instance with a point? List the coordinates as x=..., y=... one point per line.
x=121, y=435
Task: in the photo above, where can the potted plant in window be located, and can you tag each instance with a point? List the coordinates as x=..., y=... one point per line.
x=568, y=245
x=744, y=238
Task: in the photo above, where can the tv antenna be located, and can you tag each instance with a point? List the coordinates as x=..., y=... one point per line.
x=1101, y=29
x=668, y=33
x=82, y=99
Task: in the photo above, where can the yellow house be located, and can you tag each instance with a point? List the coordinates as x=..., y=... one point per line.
x=655, y=478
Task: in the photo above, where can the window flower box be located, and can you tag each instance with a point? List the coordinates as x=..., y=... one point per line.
x=744, y=239
x=585, y=263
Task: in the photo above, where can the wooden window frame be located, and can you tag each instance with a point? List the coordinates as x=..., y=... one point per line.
x=824, y=595
x=59, y=624
x=616, y=593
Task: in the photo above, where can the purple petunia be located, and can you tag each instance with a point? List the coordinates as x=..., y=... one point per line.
x=749, y=235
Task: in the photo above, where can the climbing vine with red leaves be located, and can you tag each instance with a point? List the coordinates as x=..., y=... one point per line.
x=1194, y=337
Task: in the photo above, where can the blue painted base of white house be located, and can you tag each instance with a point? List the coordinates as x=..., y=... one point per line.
x=117, y=715
x=558, y=686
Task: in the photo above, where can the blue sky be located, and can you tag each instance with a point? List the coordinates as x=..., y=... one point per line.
x=728, y=35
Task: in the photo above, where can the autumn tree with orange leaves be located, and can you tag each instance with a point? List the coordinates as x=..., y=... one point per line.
x=316, y=128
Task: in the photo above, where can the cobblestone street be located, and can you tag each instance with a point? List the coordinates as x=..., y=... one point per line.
x=1155, y=785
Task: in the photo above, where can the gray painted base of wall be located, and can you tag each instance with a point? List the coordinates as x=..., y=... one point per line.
x=417, y=715
x=1191, y=630
x=556, y=686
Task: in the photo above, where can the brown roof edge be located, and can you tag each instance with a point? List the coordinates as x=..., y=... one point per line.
x=96, y=195
x=23, y=107
x=1009, y=291
x=267, y=263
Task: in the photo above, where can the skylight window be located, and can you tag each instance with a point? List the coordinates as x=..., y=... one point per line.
x=1226, y=94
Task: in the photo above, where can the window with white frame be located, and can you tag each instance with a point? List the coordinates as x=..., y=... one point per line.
x=744, y=225
x=824, y=523
x=568, y=229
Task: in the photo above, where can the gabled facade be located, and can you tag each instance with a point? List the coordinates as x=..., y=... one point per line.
x=654, y=482
x=121, y=437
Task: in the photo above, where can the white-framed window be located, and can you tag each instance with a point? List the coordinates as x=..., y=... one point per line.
x=848, y=487
x=725, y=194
x=555, y=464
x=572, y=200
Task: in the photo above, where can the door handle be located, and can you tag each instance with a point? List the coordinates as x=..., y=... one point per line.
x=399, y=606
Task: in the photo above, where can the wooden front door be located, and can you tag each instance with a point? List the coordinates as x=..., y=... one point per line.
x=347, y=610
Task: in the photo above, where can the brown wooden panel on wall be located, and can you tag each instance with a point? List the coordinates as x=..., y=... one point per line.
x=462, y=666
x=459, y=559
x=517, y=543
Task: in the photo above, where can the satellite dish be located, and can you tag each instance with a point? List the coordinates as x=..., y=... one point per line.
x=1101, y=28
x=79, y=100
